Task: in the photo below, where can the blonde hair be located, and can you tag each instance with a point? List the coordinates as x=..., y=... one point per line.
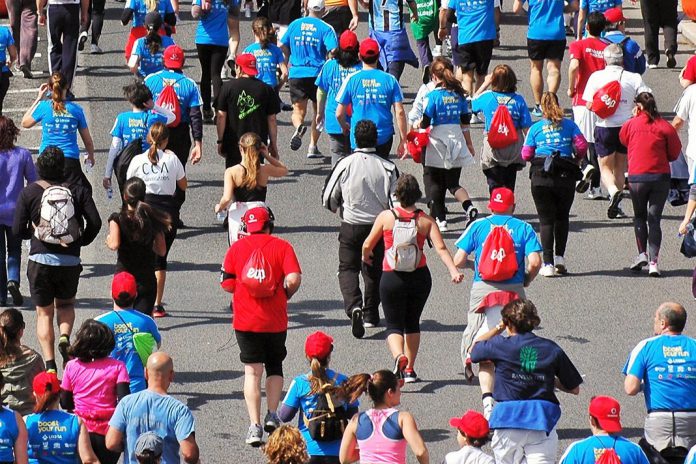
x=550, y=108
x=156, y=137
x=58, y=85
x=151, y=5
x=286, y=446
x=250, y=144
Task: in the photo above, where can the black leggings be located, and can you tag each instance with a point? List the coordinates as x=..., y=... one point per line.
x=403, y=296
x=96, y=18
x=212, y=58
x=167, y=204
x=648, y=200
x=4, y=87
x=98, y=443
x=553, y=206
x=501, y=176
x=437, y=182
x=147, y=293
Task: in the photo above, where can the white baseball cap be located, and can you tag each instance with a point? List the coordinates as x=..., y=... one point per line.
x=316, y=5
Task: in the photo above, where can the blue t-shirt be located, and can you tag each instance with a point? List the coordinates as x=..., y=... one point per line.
x=371, y=93
x=589, y=450
x=599, y=5
x=147, y=411
x=60, y=129
x=140, y=10
x=298, y=397
x=329, y=80
x=545, y=20
x=386, y=15
x=131, y=125
x=268, y=61
x=212, y=26
x=53, y=437
x=691, y=457
x=445, y=107
x=309, y=41
x=5, y=41
x=124, y=350
x=150, y=63
x=548, y=137
x=667, y=366
x=634, y=58
x=488, y=102
x=186, y=90
x=522, y=233
x=8, y=434
x=475, y=20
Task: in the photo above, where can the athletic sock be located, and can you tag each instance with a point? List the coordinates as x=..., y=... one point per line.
x=612, y=190
x=51, y=365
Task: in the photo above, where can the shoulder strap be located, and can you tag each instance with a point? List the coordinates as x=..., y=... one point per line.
x=624, y=41
x=124, y=322
x=43, y=184
x=508, y=100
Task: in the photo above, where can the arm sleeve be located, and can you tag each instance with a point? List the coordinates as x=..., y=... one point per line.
x=81, y=120
x=425, y=121
x=417, y=107
x=196, y=123
x=625, y=132
x=692, y=192
x=91, y=215
x=114, y=149
x=29, y=169
x=286, y=413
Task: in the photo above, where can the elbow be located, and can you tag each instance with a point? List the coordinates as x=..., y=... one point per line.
x=190, y=454
x=574, y=391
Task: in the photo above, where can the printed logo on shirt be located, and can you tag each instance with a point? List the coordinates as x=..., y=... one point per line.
x=246, y=105
x=51, y=426
x=528, y=358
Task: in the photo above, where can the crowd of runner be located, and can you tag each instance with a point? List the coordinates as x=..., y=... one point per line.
x=111, y=401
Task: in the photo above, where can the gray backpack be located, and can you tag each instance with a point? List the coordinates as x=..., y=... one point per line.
x=404, y=254
x=58, y=224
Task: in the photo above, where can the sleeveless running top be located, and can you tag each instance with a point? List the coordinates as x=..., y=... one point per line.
x=245, y=194
x=389, y=239
x=380, y=438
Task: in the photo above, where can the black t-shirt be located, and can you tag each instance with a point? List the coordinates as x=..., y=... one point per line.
x=248, y=103
x=138, y=258
x=284, y=11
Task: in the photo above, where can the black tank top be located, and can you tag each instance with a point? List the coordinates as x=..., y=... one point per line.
x=245, y=194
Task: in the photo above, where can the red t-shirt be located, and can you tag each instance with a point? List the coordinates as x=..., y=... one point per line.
x=589, y=53
x=261, y=314
x=690, y=69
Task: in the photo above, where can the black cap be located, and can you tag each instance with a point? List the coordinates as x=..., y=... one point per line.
x=153, y=19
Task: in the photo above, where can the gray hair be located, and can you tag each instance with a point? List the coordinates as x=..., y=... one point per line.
x=613, y=55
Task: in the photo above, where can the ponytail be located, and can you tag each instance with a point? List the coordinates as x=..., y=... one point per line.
x=151, y=5
x=550, y=108
x=250, y=144
x=376, y=385
x=153, y=40
x=58, y=85
x=442, y=69
x=46, y=401
x=11, y=324
x=262, y=28
x=319, y=380
x=141, y=222
x=156, y=137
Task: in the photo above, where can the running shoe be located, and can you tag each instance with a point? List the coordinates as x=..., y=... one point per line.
x=356, y=323
x=208, y=116
x=595, y=193
x=95, y=50
x=254, y=436
x=471, y=215
x=652, y=66
x=614, y=209
x=159, y=311
x=442, y=225
x=536, y=112
x=230, y=67
x=285, y=106
x=671, y=61
x=296, y=140
x=400, y=364
x=425, y=77
x=410, y=376
x=13, y=288
x=26, y=72
x=488, y=405
x=271, y=422
x=547, y=270
x=620, y=214
x=313, y=152
x=584, y=183
x=63, y=345
x=82, y=40
x=640, y=262
x=559, y=264
x=653, y=270
x=437, y=51
x=569, y=31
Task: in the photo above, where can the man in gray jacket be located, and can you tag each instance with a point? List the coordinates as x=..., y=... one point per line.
x=359, y=188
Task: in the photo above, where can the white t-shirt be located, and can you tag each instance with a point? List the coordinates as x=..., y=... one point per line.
x=631, y=85
x=469, y=455
x=160, y=179
x=686, y=110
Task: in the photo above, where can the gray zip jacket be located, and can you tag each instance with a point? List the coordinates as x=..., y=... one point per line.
x=360, y=187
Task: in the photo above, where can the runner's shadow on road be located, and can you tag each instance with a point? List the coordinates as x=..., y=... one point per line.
x=430, y=325
x=202, y=376
x=435, y=435
x=203, y=320
x=190, y=232
x=194, y=400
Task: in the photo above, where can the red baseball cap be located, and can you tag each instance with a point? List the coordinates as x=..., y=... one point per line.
x=247, y=62
x=123, y=286
x=502, y=199
x=46, y=382
x=348, y=40
x=256, y=219
x=614, y=15
x=472, y=424
x=369, y=47
x=174, y=57
x=607, y=411
x=318, y=345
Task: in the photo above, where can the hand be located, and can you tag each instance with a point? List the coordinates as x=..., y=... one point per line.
x=457, y=277
x=682, y=227
x=43, y=88
x=217, y=208
x=353, y=25
x=346, y=129
x=90, y=158
x=367, y=259
x=195, y=155
x=571, y=93
x=42, y=19
x=106, y=182
x=414, y=17
x=273, y=151
x=319, y=120
x=635, y=111
x=402, y=150
x=442, y=33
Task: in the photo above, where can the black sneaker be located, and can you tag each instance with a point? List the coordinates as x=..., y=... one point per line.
x=63, y=345
x=613, y=210
x=356, y=323
x=208, y=116
x=671, y=61
x=26, y=71
x=13, y=287
x=471, y=215
x=296, y=140
x=410, y=376
x=425, y=78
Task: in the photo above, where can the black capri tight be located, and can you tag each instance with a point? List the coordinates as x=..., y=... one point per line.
x=648, y=200
x=403, y=296
x=553, y=206
x=98, y=442
x=212, y=58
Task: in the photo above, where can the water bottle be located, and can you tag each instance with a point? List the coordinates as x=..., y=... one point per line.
x=220, y=216
x=88, y=165
x=247, y=9
x=109, y=193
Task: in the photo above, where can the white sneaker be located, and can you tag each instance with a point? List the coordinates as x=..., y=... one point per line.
x=548, y=270
x=447, y=47
x=653, y=270
x=595, y=193
x=488, y=405
x=640, y=262
x=652, y=66
x=442, y=225
x=559, y=264
x=95, y=50
x=437, y=51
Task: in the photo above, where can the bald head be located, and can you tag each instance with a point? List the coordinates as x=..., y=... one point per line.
x=673, y=315
x=160, y=364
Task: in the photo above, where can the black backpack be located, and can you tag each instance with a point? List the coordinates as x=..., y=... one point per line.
x=123, y=160
x=327, y=421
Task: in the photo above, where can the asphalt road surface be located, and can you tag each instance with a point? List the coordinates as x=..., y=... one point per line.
x=597, y=313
